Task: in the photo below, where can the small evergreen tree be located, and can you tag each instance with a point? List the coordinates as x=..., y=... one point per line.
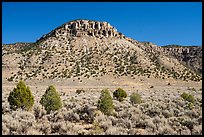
x=105, y=102
x=21, y=97
x=51, y=100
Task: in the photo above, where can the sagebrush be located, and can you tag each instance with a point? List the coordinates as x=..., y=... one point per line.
x=135, y=98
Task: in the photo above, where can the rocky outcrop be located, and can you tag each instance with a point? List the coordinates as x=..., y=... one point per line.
x=190, y=56
x=78, y=28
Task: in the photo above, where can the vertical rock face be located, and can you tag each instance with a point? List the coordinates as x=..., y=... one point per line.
x=78, y=28
x=189, y=55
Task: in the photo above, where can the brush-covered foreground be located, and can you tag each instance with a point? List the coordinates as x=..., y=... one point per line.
x=162, y=111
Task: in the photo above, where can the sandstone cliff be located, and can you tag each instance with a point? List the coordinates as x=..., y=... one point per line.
x=191, y=56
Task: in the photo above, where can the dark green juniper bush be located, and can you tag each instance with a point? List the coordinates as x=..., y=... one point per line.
x=21, y=97
x=120, y=94
x=105, y=102
x=51, y=99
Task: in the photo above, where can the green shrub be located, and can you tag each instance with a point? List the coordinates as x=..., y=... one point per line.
x=135, y=98
x=51, y=99
x=120, y=94
x=105, y=102
x=21, y=97
x=188, y=97
x=190, y=105
x=184, y=96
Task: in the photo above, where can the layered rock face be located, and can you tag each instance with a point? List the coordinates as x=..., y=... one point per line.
x=79, y=28
x=62, y=35
x=191, y=56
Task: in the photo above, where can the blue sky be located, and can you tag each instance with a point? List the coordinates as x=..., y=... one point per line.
x=161, y=23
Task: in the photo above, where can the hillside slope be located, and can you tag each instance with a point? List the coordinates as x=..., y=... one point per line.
x=85, y=48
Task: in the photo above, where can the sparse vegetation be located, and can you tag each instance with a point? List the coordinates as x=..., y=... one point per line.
x=78, y=91
x=11, y=78
x=77, y=69
x=192, y=89
x=81, y=116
